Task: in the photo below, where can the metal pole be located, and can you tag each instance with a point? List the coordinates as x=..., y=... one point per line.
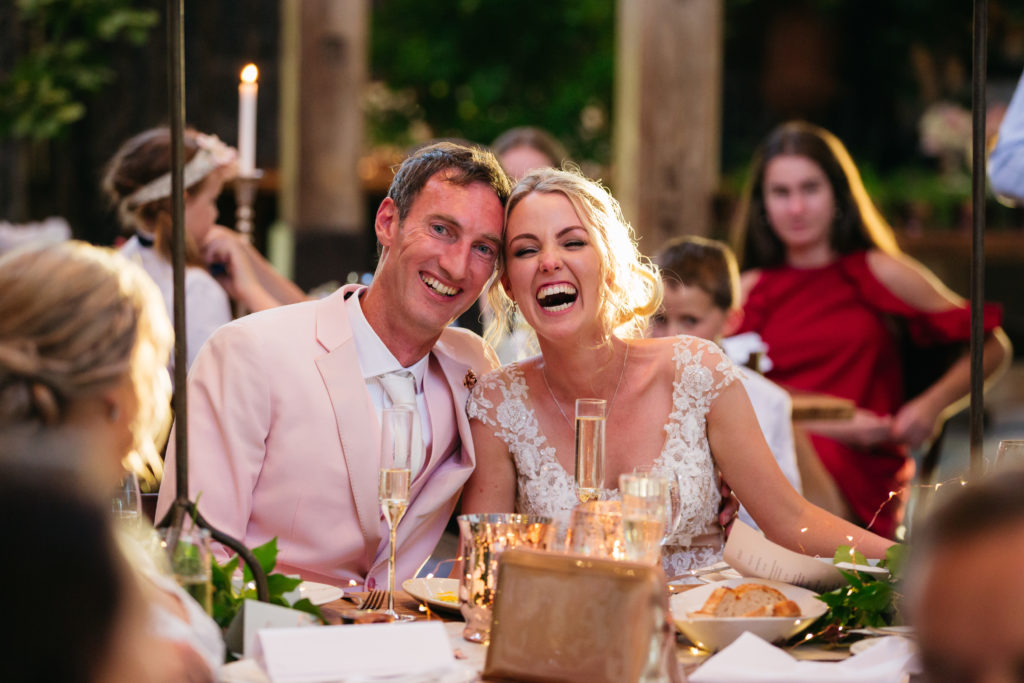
x=176, y=102
x=978, y=177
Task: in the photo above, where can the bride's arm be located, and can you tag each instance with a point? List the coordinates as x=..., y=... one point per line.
x=492, y=486
x=783, y=514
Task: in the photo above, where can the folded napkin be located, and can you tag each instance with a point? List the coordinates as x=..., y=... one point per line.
x=407, y=652
x=739, y=348
x=750, y=659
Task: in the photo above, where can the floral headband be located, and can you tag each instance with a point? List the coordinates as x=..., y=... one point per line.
x=212, y=154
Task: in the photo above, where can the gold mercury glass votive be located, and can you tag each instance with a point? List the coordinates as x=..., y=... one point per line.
x=483, y=538
x=595, y=530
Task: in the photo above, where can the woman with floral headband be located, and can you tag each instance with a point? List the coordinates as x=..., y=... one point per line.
x=138, y=182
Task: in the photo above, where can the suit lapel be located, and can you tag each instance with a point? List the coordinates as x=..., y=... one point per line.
x=430, y=492
x=357, y=421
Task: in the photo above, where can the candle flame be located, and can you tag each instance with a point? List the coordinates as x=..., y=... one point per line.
x=250, y=73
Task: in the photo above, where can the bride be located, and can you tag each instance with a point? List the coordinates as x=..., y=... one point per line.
x=571, y=267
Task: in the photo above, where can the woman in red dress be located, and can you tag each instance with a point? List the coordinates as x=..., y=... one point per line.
x=828, y=290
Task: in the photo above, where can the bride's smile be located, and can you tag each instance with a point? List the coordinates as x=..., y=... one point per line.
x=553, y=267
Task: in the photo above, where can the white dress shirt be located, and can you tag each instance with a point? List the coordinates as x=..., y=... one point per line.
x=375, y=359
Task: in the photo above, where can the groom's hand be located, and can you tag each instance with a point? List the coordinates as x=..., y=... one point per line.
x=729, y=508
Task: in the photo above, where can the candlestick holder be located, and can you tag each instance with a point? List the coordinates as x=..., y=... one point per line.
x=245, y=195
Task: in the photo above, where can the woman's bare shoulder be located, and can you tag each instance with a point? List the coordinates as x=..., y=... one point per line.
x=748, y=279
x=912, y=282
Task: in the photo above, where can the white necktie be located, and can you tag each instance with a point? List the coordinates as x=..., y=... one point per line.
x=400, y=386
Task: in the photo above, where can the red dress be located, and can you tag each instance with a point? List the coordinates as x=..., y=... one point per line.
x=830, y=330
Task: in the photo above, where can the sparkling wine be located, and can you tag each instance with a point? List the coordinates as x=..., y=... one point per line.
x=200, y=588
x=394, y=494
x=642, y=537
x=589, y=457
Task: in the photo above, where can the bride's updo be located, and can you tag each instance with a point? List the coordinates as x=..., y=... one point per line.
x=631, y=287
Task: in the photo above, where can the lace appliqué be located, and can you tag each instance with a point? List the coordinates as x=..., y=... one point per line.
x=544, y=487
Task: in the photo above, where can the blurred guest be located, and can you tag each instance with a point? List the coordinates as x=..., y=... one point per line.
x=1006, y=164
x=525, y=148
x=84, y=341
x=75, y=609
x=963, y=584
x=220, y=262
x=53, y=229
x=824, y=282
x=702, y=291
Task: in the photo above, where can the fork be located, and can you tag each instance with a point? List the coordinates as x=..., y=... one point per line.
x=375, y=600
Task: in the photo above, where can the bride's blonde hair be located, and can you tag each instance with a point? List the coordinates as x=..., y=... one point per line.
x=631, y=288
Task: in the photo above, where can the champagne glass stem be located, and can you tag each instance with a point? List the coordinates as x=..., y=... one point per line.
x=391, y=571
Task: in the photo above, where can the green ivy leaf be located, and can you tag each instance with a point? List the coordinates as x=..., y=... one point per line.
x=865, y=600
x=227, y=600
x=266, y=555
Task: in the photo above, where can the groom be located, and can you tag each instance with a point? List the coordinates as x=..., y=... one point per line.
x=284, y=405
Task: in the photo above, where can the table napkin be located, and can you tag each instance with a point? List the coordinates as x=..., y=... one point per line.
x=750, y=659
x=357, y=653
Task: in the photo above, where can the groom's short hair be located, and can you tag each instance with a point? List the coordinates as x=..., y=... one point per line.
x=465, y=164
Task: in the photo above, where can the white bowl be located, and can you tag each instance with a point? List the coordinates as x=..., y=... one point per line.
x=714, y=633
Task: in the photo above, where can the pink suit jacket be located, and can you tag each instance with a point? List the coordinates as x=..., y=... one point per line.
x=284, y=441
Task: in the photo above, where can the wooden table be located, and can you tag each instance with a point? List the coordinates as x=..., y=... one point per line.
x=689, y=657
x=404, y=604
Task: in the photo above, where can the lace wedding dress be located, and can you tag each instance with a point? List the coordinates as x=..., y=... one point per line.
x=501, y=400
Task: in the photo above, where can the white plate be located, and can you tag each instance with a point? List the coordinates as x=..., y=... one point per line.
x=866, y=644
x=432, y=591
x=319, y=593
x=870, y=569
x=714, y=633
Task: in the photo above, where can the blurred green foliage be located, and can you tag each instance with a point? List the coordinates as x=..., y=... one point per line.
x=61, y=59
x=483, y=66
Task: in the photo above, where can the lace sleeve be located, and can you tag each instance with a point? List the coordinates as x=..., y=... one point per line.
x=485, y=397
x=704, y=369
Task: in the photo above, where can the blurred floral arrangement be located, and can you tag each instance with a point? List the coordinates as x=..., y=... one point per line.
x=945, y=132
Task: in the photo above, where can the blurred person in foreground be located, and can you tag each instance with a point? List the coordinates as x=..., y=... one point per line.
x=674, y=405
x=963, y=584
x=75, y=609
x=836, y=301
x=221, y=265
x=284, y=405
x=84, y=341
x=701, y=298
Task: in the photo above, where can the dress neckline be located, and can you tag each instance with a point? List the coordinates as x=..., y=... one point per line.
x=519, y=376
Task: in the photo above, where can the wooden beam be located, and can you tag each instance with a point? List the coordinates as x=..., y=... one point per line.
x=323, y=69
x=668, y=115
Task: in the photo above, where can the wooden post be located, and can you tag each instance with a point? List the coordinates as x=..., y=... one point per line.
x=323, y=69
x=668, y=116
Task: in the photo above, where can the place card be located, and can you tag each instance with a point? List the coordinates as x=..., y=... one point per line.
x=327, y=653
x=255, y=615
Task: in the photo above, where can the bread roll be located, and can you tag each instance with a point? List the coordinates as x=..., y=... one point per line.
x=747, y=600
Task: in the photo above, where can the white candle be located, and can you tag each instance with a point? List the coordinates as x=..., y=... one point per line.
x=247, y=89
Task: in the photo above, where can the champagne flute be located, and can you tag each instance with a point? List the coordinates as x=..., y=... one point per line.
x=646, y=515
x=393, y=490
x=1010, y=454
x=669, y=482
x=126, y=503
x=590, y=428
